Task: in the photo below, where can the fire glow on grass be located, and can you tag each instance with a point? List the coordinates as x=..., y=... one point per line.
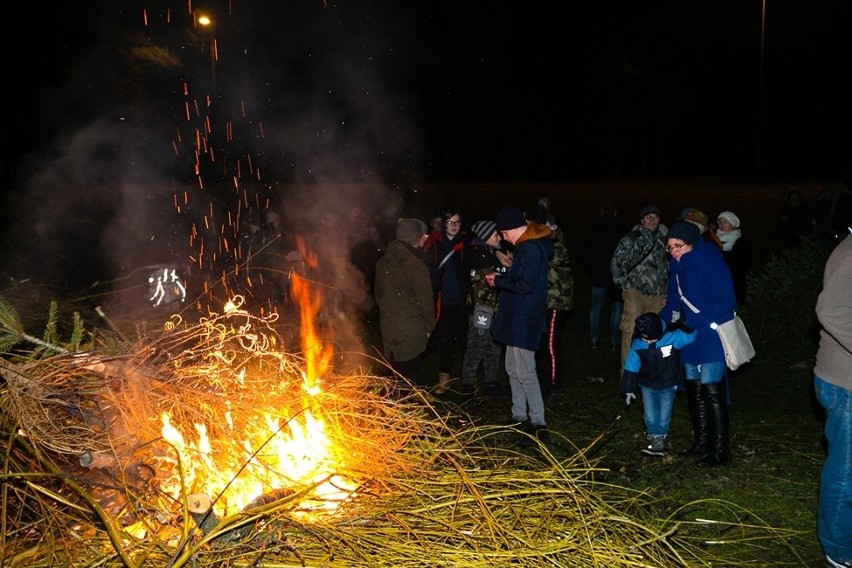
x=284, y=447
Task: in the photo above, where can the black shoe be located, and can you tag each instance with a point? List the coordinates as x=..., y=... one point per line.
x=534, y=433
x=468, y=390
x=595, y=345
x=492, y=390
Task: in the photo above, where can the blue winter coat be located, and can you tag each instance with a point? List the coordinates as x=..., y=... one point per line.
x=520, y=319
x=706, y=282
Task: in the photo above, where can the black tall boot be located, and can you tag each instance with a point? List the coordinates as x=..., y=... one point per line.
x=717, y=410
x=698, y=414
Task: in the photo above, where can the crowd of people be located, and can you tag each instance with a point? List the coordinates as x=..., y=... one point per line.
x=500, y=291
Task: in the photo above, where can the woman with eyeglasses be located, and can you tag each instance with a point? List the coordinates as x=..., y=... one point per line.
x=701, y=292
x=449, y=266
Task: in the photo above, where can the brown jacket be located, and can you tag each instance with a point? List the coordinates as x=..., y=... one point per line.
x=403, y=293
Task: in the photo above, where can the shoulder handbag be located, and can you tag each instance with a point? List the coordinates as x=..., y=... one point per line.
x=483, y=314
x=735, y=341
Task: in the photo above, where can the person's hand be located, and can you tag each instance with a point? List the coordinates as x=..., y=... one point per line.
x=504, y=258
x=629, y=397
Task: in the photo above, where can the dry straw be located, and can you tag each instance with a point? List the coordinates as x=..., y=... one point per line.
x=85, y=465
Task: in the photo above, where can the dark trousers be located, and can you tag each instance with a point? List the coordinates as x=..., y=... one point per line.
x=410, y=369
x=451, y=330
x=550, y=358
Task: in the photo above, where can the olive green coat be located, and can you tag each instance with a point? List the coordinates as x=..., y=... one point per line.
x=403, y=293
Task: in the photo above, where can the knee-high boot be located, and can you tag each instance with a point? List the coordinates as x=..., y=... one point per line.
x=717, y=410
x=698, y=414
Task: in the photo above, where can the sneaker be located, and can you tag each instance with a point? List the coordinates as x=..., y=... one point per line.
x=468, y=390
x=831, y=563
x=656, y=446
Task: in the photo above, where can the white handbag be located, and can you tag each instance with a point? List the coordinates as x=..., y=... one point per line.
x=735, y=341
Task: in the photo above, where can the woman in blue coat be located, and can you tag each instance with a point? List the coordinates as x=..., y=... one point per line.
x=701, y=292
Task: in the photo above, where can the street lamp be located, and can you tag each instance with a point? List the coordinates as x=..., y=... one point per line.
x=204, y=22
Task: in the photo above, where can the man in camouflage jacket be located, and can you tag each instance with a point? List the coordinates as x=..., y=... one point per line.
x=640, y=266
x=550, y=359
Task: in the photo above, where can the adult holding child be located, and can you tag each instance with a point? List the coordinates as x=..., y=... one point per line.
x=700, y=293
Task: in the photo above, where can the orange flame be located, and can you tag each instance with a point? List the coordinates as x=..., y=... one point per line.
x=274, y=450
x=317, y=359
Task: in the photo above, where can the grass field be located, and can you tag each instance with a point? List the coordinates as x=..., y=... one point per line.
x=775, y=422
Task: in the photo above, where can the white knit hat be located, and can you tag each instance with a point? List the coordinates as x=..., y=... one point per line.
x=731, y=218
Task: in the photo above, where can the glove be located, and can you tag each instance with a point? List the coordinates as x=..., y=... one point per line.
x=681, y=325
x=629, y=397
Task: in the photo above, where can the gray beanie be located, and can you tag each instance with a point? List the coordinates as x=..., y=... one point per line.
x=410, y=230
x=483, y=229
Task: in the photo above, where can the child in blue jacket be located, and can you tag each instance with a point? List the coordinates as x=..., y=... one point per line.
x=653, y=365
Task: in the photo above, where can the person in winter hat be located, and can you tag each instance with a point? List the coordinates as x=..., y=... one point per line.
x=654, y=367
x=639, y=266
x=736, y=250
x=520, y=321
x=481, y=348
x=403, y=293
x=700, y=289
x=550, y=357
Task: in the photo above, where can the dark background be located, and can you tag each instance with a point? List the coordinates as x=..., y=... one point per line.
x=124, y=140
x=402, y=91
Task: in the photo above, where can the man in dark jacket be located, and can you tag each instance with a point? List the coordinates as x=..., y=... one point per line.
x=598, y=249
x=520, y=321
x=403, y=293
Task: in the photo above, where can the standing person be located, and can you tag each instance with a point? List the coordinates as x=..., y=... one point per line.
x=450, y=269
x=654, y=367
x=701, y=291
x=736, y=250
x=403, y=292
x=550, y=357
x=833, y=387
x=699, y=219
x=795, y=218
x=481, y=349
x=640, y=266
x=598, y=249
x=520, y=321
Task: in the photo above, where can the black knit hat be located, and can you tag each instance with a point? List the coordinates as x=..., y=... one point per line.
x=649, y=326
x=510, y=217
x=685, y=231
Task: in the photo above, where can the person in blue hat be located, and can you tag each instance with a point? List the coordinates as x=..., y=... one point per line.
x=654, y=367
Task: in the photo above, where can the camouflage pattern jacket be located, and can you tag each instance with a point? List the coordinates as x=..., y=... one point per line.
x=560, y=279
x=640, y=262
x=482, y=261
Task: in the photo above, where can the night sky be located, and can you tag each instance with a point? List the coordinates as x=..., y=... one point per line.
x=451, y=90
x=108, y=103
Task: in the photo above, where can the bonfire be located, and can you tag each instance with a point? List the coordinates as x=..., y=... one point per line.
x=210, y=444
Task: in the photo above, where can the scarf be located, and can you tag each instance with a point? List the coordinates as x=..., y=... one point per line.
x=728, y=238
